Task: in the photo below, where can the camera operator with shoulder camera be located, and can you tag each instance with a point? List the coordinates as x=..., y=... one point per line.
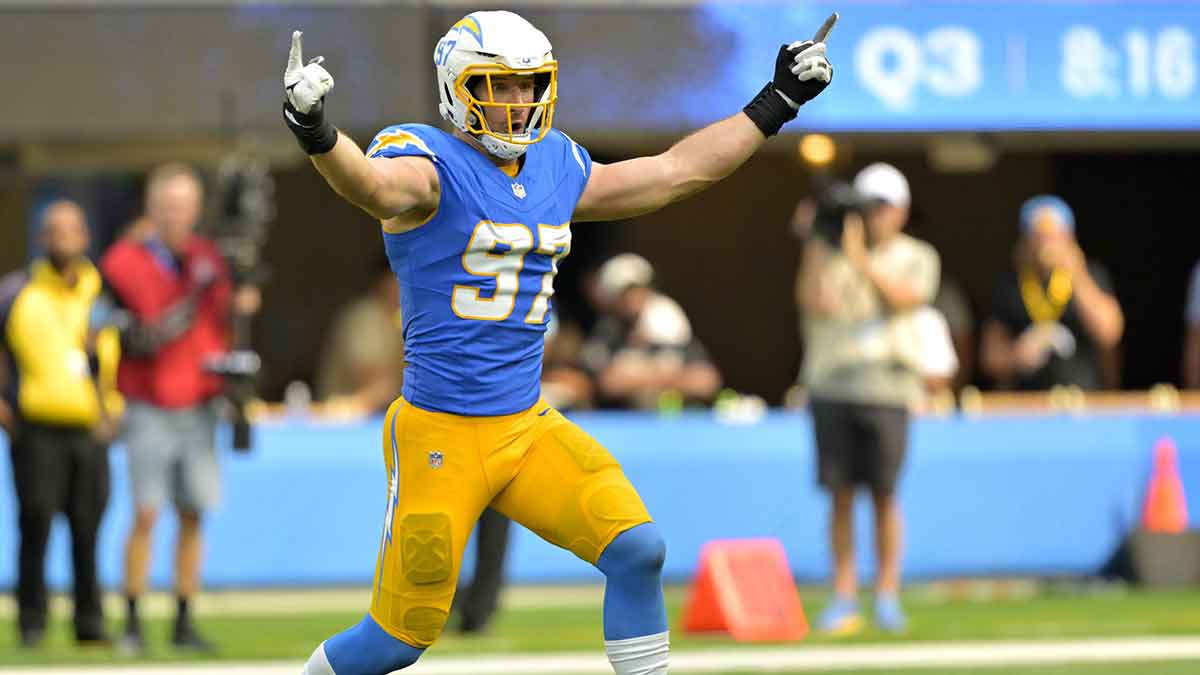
x=179, y=299
x=859, y=283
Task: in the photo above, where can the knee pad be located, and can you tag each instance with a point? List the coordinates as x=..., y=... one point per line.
x=366, y=649
x=426, y=548
x=641, y=549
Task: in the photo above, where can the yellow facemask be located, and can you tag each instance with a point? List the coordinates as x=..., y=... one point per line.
x=541, y=110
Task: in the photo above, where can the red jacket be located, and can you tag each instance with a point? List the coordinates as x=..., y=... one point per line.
x=143, y=281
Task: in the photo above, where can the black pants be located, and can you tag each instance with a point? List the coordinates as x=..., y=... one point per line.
x=59, y=470
x=479, y=600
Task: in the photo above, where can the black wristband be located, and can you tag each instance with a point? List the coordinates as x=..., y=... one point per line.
x=769, y=111
x=315, y=135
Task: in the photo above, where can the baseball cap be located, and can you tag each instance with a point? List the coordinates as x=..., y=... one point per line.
x=883, y=182
x=623, y=271
x=1045, y=211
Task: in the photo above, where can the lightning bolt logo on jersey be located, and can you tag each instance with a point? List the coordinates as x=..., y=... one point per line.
x=476, y=279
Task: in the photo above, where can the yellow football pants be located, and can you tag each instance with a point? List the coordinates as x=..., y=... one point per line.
x=536, y=467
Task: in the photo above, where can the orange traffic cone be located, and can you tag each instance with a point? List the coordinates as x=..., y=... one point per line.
x=1166, y=507
x=745, y=587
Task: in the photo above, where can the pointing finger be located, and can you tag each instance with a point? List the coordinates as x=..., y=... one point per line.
x=295, y=56
x=824, y=30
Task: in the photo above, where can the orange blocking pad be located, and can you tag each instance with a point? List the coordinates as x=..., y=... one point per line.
x=744, y=587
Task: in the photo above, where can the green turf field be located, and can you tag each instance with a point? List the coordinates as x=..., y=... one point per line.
x=1048, y=615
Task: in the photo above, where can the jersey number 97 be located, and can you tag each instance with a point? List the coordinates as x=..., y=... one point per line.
x=498, y=250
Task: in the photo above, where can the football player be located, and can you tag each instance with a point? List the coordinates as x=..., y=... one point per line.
x=475, y=222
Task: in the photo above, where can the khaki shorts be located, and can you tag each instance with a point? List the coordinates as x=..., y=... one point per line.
x=172, y=455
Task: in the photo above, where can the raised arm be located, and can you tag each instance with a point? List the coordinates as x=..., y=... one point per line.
x=646, y=184
x=404, y=188
x=1098, y=308
x=814, y=292
x=386, y=188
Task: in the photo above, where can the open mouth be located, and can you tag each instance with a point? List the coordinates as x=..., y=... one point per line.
x=519, y=123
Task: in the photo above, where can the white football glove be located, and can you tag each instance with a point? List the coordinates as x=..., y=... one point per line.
x=305, y=85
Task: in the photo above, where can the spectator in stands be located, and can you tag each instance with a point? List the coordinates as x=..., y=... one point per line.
x=642, y=350
x=362, y=364
x=1054, y=318
x=1191, y=343
x=60, y=411
x=179, y=295
x=858, y=294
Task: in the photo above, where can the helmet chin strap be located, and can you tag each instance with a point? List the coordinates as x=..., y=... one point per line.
x=501, y=149
x=491, y=143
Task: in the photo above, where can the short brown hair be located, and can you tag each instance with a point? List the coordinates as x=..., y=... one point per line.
x=165, y=172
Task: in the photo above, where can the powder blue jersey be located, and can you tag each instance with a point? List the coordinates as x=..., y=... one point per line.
x=477, y=278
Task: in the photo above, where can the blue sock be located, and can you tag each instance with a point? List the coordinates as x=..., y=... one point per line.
x=633, y=597
x=366, y=649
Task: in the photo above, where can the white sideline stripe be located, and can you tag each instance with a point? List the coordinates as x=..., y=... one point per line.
x=292, y=601
x=882, y=657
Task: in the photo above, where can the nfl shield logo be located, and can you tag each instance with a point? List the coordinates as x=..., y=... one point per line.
x=518, y=190
x=435, y=459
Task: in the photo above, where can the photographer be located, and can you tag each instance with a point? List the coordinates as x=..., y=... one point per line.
x=179, y=296
x=859, y=284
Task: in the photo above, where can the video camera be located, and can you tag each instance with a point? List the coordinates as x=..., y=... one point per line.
x=239, y=368
x=835, y=199
x=245, y=206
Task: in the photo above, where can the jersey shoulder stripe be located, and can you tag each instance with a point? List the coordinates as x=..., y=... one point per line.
x=403, y=141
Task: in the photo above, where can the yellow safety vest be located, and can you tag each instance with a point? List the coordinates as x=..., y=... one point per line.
x=46, y=333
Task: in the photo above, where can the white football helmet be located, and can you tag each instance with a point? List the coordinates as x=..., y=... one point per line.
x=487, y=44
